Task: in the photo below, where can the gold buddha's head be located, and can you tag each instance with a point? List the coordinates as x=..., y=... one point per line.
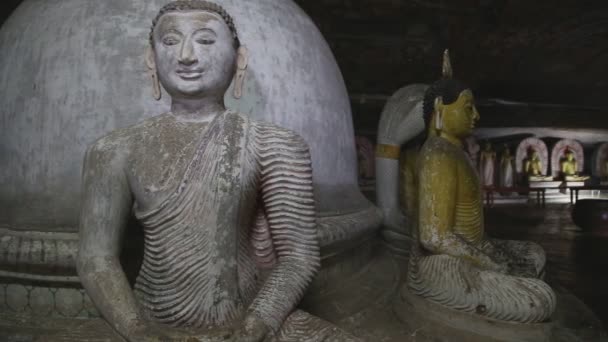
x=194, y=49
x=449, y=108
x=569, y=155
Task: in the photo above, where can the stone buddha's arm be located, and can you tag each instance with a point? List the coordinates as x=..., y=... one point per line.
x=289, y=207
x=438, y=189
x=105, y=210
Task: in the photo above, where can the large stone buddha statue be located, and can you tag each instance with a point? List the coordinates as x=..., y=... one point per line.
x=226, y=203
x=455, y=264
x=569, y=168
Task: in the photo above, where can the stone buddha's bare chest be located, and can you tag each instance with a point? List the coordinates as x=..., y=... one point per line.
x=159, y=158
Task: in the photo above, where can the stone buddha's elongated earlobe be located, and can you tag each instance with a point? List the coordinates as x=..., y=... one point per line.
x=242, y=63
x=155, y=85
x=151, y=64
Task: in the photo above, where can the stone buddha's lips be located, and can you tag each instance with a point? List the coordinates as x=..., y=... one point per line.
x=190, y=74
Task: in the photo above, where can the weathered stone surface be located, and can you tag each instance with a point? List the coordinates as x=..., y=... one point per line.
x=69, y=302
x=42, y=301
x=17, y=297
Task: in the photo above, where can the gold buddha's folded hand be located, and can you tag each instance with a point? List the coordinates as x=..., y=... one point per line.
x=523, y=269
x=500, y=267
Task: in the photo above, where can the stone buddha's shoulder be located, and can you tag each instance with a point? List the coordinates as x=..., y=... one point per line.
x=266, y=132
x=123, y=139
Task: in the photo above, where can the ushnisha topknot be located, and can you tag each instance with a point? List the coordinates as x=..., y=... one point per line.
x=196, y=5
x=447, y=88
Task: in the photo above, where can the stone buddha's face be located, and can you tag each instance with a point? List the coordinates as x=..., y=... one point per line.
x=194, y=54
x=459, y=118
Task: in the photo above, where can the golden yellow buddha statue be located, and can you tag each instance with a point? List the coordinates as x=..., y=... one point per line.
x=454, y=263
x=533, y=167
x=569, y=168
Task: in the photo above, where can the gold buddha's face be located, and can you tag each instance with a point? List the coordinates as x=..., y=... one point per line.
x=533, y=155
x=459, y=118
x=569, y=156
x=194, y=54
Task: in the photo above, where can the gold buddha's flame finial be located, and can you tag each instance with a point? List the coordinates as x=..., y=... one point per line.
x=447, y=64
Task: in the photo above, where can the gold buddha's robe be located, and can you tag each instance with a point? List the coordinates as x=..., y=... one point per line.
x=569, y=170
x=237, y=235
x=451, y=277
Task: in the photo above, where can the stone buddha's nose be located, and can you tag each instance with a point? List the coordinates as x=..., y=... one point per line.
x=186, y=55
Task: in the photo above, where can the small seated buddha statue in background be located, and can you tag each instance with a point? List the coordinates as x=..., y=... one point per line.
x=454, y=263
x=533, y=167
x=569, y=168
x=226, y=203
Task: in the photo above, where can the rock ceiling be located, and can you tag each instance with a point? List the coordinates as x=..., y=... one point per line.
x=553, y=54
x=541, y=51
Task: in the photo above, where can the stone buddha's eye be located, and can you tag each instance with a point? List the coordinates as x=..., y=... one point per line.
x=205, y=41
x=170, y=40
x=205, y=37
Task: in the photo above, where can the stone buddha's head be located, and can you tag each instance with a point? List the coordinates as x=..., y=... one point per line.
x=488, y=146
x=194, y=49
x=449, y=108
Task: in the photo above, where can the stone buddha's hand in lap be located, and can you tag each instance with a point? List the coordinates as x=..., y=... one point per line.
x=154, y=332
x=252, y=329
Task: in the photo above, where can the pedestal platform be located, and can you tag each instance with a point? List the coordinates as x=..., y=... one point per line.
x=551, y=186
x=570, y=184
